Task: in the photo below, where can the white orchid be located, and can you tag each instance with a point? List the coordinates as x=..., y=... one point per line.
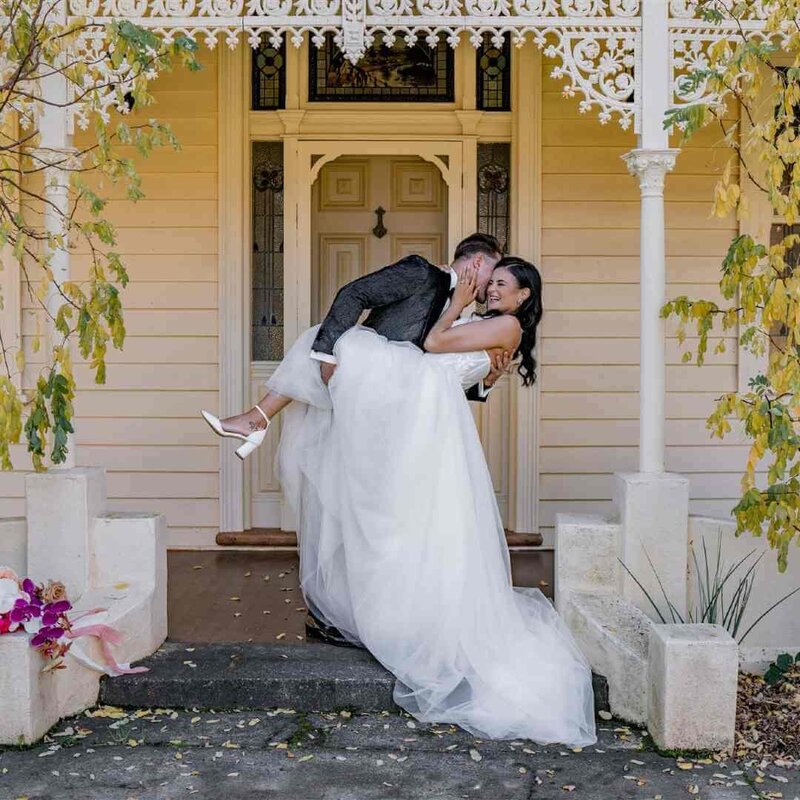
x=9, y=589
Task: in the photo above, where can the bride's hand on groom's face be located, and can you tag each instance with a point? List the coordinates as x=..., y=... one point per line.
x=466, y=289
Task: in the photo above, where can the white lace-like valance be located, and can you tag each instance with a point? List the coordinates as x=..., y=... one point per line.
x=597, y=43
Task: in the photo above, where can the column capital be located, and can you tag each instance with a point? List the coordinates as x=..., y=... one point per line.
x=651, y=166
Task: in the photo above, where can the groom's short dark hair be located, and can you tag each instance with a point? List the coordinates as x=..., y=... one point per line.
x=477, y=243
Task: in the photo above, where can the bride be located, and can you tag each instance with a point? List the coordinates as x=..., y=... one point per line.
x=401, y=543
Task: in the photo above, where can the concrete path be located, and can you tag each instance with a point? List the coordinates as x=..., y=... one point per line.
x=110, y=754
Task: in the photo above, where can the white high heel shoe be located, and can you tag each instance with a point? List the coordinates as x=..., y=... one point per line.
x=252, y=441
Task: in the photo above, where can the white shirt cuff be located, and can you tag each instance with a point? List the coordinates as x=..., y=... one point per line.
x=484, y=391
x=328, y=359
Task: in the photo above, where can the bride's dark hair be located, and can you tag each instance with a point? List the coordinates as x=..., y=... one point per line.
x=529, y=313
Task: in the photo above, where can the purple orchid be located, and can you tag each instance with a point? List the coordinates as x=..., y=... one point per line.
x=22, y=606
x=50, y=634
x=23, y=610
x=53, y=611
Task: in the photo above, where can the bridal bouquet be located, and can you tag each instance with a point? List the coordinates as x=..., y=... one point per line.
x=41, y=611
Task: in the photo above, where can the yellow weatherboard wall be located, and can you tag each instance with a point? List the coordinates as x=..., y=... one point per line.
x=143, y=425
x=589, y=424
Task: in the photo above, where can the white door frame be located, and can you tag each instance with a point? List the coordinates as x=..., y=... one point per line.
x=304, y=156
x=300, y=174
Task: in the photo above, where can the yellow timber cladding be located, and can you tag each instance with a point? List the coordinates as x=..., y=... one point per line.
x=143, y=425
x=590, y=340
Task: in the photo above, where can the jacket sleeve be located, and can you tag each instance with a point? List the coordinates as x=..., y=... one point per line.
x=388, y=285
x=478, y=392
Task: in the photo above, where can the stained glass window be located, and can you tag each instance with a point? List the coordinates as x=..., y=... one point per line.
x=385, y=73
x=269, y=76
x=267, y=267
x=494, y=191
x=494, y=75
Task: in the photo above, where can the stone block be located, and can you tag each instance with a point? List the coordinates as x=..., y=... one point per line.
x=692, y=679
x=653, y=511
x=613, y=635
x=756, y=660
x=14, y=544
x=128, y=608
x=61, y=507
x=28, y=697
x=585, y=556
x=131, y=548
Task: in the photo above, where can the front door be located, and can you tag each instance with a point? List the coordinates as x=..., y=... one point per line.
x=370, y=212
x=367, y=212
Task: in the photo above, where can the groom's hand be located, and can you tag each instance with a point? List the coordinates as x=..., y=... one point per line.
x=326, y=370
x=500, y=365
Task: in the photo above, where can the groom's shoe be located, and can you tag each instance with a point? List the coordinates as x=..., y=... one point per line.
x=317, y=629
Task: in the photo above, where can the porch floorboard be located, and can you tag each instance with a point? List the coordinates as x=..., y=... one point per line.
x=224, y=596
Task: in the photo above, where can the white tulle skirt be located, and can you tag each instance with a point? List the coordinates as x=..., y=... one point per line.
x=402, y=547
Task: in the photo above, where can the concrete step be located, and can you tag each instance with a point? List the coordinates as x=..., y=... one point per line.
x=309, y=677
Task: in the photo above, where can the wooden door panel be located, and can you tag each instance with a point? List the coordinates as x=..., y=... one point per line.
x=426, y=245
x=267, y=498
x=493, y=420
x=343, y=185
x=341, y=259
x=415, y=186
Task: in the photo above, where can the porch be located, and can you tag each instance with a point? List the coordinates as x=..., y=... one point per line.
x=586, y=456
x=197, y=317
x=254, y=595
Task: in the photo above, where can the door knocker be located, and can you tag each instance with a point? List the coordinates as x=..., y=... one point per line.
x=380, y=229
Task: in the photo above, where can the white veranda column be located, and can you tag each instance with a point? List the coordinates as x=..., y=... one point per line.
x=54, y=153
x=651, y=167
x=650, y=162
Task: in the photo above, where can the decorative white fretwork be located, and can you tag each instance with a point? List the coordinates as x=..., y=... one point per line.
x=699, y=43
x=596, y=42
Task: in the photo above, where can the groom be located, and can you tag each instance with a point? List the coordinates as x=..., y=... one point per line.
x=404, y=300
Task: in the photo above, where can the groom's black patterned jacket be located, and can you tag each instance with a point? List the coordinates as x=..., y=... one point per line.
x=405, y=300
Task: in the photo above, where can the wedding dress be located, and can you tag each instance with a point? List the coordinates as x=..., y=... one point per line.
x=402, y=547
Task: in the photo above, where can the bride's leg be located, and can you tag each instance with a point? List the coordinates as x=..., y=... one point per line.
x=271, y=404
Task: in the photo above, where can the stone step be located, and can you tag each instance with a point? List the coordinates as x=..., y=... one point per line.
x=309, y=677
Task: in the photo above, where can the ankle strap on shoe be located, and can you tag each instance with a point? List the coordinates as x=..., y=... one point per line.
x=261, y=411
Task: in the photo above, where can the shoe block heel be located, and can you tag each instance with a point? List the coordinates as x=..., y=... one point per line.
x=246, y=449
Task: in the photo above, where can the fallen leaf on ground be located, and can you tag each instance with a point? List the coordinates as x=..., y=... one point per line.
x=112, y=712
